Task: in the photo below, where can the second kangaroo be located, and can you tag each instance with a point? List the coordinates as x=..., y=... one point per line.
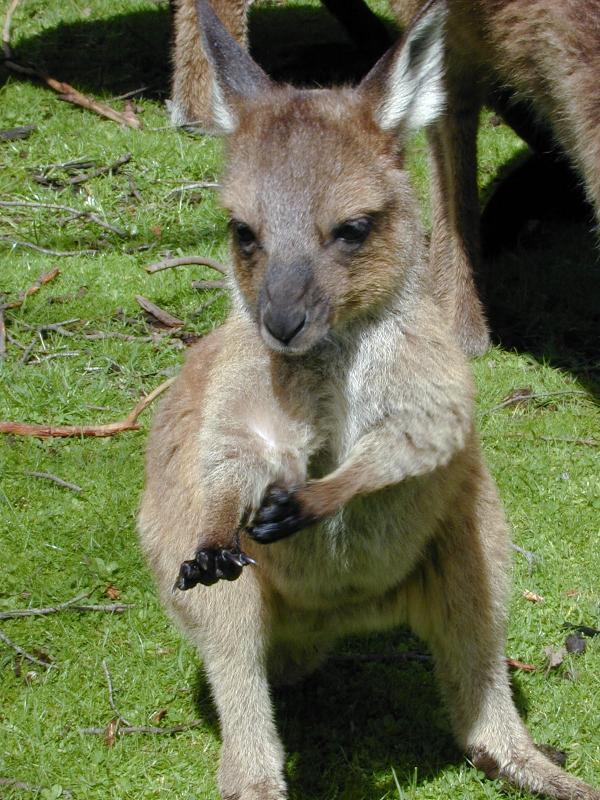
x=334, y=399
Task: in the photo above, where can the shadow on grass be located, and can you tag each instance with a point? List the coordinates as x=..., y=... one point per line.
x=347, y=725
x=541, y=279
x=542, y=284
x=125, y=52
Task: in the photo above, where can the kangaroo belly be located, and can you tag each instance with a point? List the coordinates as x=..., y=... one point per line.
x=349, y=573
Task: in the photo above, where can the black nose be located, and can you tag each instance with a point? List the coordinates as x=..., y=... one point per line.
x=284, y=324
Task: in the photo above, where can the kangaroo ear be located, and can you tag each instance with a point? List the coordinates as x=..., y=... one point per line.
x=406, y=86
x=235, y=76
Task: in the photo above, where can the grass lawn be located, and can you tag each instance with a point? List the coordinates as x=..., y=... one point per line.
x=354, y=730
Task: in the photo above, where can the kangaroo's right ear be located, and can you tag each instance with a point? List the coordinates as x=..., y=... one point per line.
x=236, y=77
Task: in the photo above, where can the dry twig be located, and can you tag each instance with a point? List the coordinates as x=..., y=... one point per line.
x=58, y=253
x=6, y=48
x=48, y=476
x=166, y=319
x=21, y=132
x=129, y=423
x=77, y=213
x=209, y=285
x=203, y=261
x=74, y=604
x=80, y=178
x=512, y=663
x=517, y=398
x=111, y=700
x=125, y=729
x=65, y=91
x=180, y=190
x=44, y=278
x=4, y=638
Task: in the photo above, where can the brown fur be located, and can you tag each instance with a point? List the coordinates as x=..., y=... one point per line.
x=364, y=414
x=548, y=53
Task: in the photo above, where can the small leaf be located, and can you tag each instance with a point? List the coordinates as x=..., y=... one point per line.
x=110, y=733
x=112, y=592
x=159, y=715
x=533, y=597
x=554, y=658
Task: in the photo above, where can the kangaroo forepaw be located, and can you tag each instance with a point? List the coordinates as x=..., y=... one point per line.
x=211, y=565
x=281, y=514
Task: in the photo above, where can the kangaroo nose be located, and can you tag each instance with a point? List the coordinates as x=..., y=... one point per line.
x=284, y=324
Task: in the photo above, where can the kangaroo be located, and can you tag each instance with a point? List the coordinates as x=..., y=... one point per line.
x=537, y=62
x=190, y=103
x=526, y=58
x=314, y=471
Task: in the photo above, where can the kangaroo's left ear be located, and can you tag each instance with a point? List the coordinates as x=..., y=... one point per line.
x=406, y=87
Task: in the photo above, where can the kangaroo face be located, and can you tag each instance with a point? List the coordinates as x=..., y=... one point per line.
x=321, y=212
x=314, y=213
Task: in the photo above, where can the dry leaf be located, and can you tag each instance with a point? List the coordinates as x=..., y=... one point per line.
x=159, y=715
x=533, y=597
x=112, y=592
x=554, y=658
x=110, y=734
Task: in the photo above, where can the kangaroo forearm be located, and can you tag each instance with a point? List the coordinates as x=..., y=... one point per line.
x=387, y=456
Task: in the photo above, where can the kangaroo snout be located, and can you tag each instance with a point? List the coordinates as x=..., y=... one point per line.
x=292, y=315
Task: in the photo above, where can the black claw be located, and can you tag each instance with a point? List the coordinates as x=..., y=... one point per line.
x=279, y=516
x=211, y=565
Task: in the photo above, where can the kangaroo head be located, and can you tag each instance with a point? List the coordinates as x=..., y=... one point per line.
x=323, y=222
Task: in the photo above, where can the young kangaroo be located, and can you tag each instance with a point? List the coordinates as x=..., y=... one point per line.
x=547, y=52
x=333, y=399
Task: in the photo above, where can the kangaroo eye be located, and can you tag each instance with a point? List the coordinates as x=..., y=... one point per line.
x=353, y=231
x=244, y=236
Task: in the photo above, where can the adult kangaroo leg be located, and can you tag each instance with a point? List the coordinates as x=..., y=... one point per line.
x=191, y=94
x=455, y=246
x=458, y=604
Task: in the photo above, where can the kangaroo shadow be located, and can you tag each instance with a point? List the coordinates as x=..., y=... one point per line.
x=347, y=725
x=128, y=52
x=541, y=276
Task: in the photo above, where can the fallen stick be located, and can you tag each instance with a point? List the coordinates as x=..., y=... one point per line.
x=48, y=476
x=111, y=700
x=58, y=253
x=129, y=423
x=125, y=729
x=159, y=314
x=4, y=638
x=209, y=285
x=6, y=48
x=22, y=132
x=179, y=190
x=65, y=91
x=513, y=663
x=77, y=213
x=44, y=278
x=75, y=180
x=204, y=261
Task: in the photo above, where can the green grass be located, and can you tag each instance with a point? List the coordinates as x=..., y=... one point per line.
x=352, y=731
